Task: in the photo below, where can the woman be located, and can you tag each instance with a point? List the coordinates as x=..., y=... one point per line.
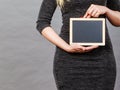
x=77, y=67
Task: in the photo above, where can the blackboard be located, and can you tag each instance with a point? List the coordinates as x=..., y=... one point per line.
x=87, y=31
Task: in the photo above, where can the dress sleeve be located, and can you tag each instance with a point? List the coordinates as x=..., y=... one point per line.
x=113, y=4
x=45, y=14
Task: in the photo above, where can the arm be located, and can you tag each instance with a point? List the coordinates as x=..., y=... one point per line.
x=50, y=35
x=97, y=10
x=113, y=17
x=43, y=25
x=111, y=10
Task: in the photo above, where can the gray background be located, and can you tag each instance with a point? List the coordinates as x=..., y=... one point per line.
x=26, y=58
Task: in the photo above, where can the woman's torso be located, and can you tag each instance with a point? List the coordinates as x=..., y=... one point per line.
x=77, y=8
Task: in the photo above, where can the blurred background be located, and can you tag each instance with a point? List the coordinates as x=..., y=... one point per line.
x=26, y=58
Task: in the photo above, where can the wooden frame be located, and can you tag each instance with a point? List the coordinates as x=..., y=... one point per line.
x=93, y=33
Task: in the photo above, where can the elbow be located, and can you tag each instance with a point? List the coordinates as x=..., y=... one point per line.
x=41, y=25
x=116, y=24
x=38, y=28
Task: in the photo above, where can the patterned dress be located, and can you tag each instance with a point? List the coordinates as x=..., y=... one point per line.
x=95, y=70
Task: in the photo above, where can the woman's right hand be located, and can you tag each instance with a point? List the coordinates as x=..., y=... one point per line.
x=76, y=48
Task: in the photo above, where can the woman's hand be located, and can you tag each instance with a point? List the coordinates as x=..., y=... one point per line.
x=76, y=48
x=90, y=48
x=95, y=11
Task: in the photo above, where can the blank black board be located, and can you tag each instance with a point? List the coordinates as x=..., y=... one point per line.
x=87, y=31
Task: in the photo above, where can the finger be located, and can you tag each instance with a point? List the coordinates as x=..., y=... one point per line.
x=81, y=51
x=88, y=49
x=87, y=12
x=78, y=47
x=97, y=14
x=82, y=48
x=91, y=9
x=88, y=16
x=94, y=13
x=91, y=47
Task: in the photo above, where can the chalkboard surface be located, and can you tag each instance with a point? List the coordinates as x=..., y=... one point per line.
x=87, y=31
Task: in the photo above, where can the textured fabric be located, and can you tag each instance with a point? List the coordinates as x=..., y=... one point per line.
x=95, y=70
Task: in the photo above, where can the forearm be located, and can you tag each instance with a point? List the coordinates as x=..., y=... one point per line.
x=113, y=17
x=54, y=38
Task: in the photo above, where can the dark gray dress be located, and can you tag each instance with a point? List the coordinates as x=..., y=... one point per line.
x=95, y=70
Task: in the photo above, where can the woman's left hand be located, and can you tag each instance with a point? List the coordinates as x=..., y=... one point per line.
x=95, y=11
x=90, y=48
